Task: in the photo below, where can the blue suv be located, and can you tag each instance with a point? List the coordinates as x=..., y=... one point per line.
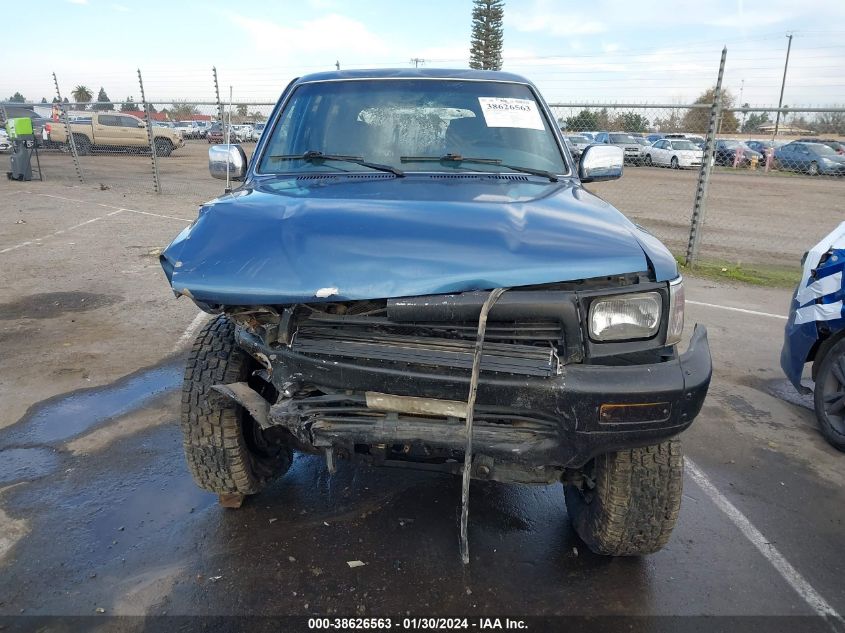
x=411, y=273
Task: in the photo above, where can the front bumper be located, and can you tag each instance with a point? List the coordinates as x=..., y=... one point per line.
x=561, y=421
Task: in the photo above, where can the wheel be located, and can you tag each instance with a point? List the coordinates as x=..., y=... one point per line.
x=226, y=450
x=628, y=501
x=648, y=160
x=813, y=169
x=83, y=145
x=674, y=162
x=829, y=397
x=163, y=146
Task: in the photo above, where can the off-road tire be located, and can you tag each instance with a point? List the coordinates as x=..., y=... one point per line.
x=634, y=505
x=218, y=434
x=163, y=146
x=83, y=145
x=830, y=381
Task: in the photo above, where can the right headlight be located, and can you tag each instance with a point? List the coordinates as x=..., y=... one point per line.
x=625, y=317
x=675, y=327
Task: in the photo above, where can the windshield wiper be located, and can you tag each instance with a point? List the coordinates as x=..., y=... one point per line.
x=457, y=159
x=313, y=156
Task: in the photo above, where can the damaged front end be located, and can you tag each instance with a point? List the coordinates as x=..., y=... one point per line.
x=387, y=380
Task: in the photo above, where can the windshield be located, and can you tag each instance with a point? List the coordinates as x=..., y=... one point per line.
x=684, y=145
x=734, y=144
x=622, y=138
x=579, y=139
x=394, y=121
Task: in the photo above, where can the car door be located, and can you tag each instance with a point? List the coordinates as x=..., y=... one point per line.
x=658, y=155
x=106, y=129
x=134, y=135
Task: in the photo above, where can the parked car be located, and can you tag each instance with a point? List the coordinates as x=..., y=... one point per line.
x=838, y=146
x=369, y=320
x=632, y=149
x=764, y=145
x=653, y=137
x=726, y=149
x=115, y=131
x=815, y=333
x=5, y=143
x=810, y=158
x=579, y=144
x=185, y=128
x=215, y=134
x=244, y=132
x=675, y=153
x=258, y=130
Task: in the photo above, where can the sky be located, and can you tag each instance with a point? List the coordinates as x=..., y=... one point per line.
x=641, y=51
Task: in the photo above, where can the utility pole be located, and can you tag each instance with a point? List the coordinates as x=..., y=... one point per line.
x=416, y=61
x=337, y=64
x=782, y=85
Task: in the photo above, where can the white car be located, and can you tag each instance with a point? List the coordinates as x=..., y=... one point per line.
x=674, y=153
x=5, y=143
x=244, y=132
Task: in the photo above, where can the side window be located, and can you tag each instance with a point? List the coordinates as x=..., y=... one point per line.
x=661, y=144
x=128, y=121
x=108, y=119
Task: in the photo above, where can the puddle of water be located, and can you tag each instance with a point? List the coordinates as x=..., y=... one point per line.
x=70, y=415
x=18, y=464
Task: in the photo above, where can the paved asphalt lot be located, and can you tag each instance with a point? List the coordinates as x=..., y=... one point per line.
x=97, y=510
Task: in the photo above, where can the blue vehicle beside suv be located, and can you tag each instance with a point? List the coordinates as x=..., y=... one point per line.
x=412, y=274
x=815, y=333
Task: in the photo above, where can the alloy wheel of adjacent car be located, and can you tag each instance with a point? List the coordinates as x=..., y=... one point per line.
x=648, y=160
x=674, y=162
x=83, y=145
x=814, y=169
x=829, y=397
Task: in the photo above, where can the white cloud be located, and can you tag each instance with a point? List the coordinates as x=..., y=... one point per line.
x=332, y=34
x=545, y=16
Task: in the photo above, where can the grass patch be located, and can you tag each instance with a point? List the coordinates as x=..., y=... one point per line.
x=757, y=275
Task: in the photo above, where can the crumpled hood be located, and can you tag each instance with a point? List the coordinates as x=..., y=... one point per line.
x=287, y=239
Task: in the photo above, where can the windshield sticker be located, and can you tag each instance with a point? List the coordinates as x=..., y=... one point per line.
x=506, y=112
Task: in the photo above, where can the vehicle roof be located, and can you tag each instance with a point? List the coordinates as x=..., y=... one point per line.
x=414, y=73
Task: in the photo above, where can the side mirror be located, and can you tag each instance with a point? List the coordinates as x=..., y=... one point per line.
x=227, y=160
x=601, y=162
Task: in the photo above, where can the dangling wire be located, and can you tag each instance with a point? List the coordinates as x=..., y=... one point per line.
x=492, y=298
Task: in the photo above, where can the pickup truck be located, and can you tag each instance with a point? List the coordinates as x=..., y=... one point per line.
x=412, y=274
x=113, y=131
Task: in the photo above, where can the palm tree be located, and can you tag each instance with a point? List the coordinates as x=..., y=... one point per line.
x=81, y=94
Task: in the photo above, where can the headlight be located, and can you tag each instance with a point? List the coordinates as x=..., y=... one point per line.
x=676, y=311
x=622, y=317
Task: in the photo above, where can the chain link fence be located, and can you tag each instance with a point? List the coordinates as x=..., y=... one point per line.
x=775, y=184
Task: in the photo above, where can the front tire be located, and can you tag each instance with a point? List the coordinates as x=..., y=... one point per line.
x=674, y=162
x=628, y=501
x=829, y=396
x=814, y=169
x=226, y=450
x=163, y=147
x=648, y=160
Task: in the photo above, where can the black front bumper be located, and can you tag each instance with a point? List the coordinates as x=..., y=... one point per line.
x=559, y=421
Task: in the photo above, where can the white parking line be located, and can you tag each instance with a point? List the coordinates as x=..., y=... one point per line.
x=111, y=206
x=732, y=309
x=189, y=331
x=791, y=575
x=54, y=233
